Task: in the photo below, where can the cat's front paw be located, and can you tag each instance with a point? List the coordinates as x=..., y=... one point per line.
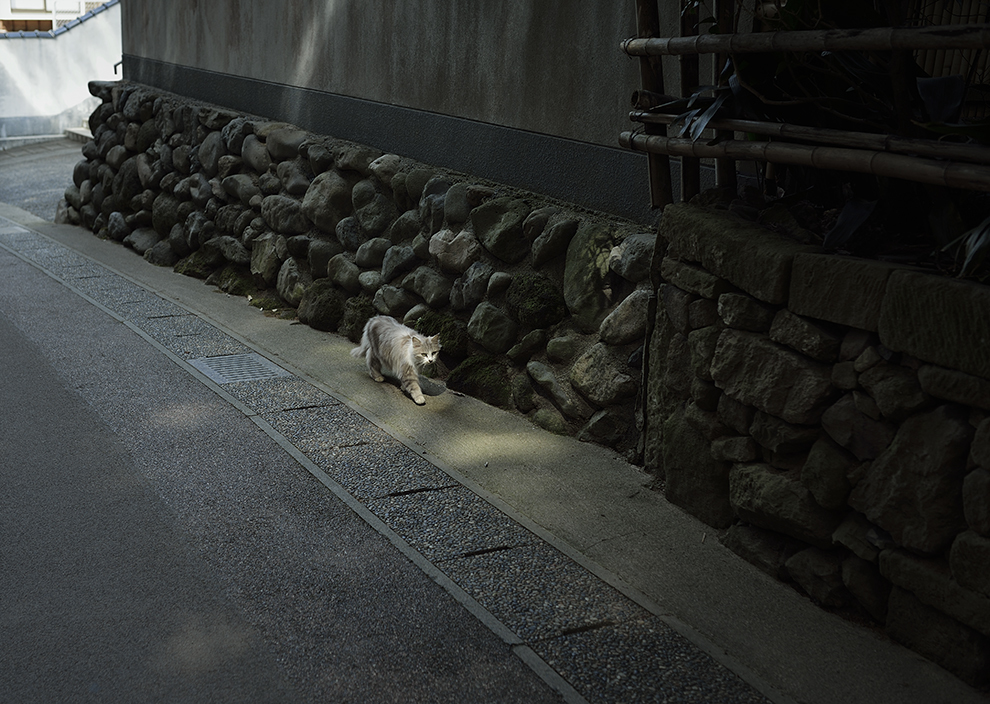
x=379, y=378
x=419, y=400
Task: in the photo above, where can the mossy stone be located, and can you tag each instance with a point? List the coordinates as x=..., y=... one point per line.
x=535, y=301
x=322, y=305
x=233, y=279
x=267, y=300
x=453, y=332
x=483, y=376
x=357, y=311
x=200, y=264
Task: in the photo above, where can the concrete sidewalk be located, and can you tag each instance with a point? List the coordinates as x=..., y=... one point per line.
x=567, y=557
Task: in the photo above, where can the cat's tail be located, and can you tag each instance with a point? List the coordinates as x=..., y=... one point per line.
x=361, y=350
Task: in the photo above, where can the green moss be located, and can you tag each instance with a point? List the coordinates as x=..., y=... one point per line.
x=267, y=300
x=453, y=332
x=233, y=279
x=484, y=377
x=535, y=301
x=357, y=310
x=200, y=264
x=322, y=306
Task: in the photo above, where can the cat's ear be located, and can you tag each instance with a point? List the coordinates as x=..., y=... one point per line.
x=436, y=340
x=417, y=343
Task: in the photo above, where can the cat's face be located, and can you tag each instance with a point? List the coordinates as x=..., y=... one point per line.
x=426, y=349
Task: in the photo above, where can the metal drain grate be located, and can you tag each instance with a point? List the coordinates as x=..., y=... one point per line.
x=238, y=367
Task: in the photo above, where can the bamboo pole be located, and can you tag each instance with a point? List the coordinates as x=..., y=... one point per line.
x=861, y=140
x=725, y=169
x=690, y=168
x=941, y=173
x=651, y=77
x=964, y=36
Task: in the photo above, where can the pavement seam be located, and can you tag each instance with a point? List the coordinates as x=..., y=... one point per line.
x=518, y=644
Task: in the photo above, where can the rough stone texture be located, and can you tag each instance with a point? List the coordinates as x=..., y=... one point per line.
x=469, y=289
x=693, y=279
x=980, y=449
x=632, y=257
x=565, y=348
x=608, y=426
x=947, y=326
x=431, y=286
x=976, y=501
x=534, y=300
x=322, y=305
x=284, y=215
x=703, y=313
x=676, y=304
x=498, y=225
x=852, y=429
x=455, y=252
x=970, y=562
x=819, y=573
x=327, y=200
x=523, y=394
x=371, y=253
x=569, y=404
x=736, y=415
x=492, y=328
x=826, y=474
x=585, y=268
x=394, y=301
x=753, y=258
x=376, y=214
x=350, y=234
x=255, y=155
x=955, y=386
x=343, y=272
x=531, y=343
x=895, y=389
x=913, y=489
x=627, y=322
x=695, y=481
x=553, y=241
x=397, y=260
x=705, y=394
x=805, y=336
x=863, y=580
x=705, y=422
x=780, y=436
x=142, y=239
x=925, y=630
x=284, y=143
x=320, y=253
x=734, y=449
x=702, y=344
x=266, y=257
x=931, y=581
x=602, y=377
x=858, y=535
x=293, y=280
x=843, y=290
x=760, y=373
x=765, y=549
x=294, y=177
x=767, y=498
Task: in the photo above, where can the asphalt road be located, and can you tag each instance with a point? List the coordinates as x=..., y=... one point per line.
x=157, y=546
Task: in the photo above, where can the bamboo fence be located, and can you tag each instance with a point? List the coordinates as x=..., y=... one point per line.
x=935, y=162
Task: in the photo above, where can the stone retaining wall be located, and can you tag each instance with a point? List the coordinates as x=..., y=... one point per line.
x=540, y=306
x=834, y=415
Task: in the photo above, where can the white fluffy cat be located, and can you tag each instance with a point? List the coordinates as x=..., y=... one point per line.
x=388, y=344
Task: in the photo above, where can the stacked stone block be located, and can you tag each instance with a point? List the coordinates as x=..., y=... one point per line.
x=833, y=414
x=541, y=307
